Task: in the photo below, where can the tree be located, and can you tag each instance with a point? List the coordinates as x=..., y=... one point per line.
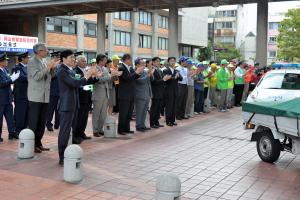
x=288, y=39
x=227, y=52
x=205, y=53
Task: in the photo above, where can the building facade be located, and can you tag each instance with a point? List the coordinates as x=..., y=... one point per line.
x=147, y=29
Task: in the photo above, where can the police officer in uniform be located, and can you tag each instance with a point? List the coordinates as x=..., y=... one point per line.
x=20, y=92
x=6, y=107
x=54, y=98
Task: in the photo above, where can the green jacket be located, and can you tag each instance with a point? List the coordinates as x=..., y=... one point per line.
x=222, y=79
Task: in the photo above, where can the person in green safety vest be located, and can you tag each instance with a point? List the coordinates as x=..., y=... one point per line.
x=206, y=73
x=230, y=71
x=222, y=86
x=239, y=81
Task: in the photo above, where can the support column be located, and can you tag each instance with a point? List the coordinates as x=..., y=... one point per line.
x=262, y=33
x=42, y=29
x=110, y=34
x=155, y=34
x=134, y=35
x=80, y=33
x=101, y=31
x=173, y=31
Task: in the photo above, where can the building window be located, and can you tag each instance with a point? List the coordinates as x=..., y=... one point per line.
x=272, y=54
x=187, y=51
x=225, y=39
x=122, y=38
x=123, y=15
x=274, y=25
x=162, y=43
x=89, y=56
x=272, y=40
x=61, y=25
x=90, y=29
x=145, y=18
x=145, y=41
x=226, y=13
x=220, y=25
x=163, y=22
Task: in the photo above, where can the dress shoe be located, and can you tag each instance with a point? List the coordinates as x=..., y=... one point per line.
x=129, y=132
x=37, y=150
x=86, y=137
x=50, y=129
x=154, y=126
x=101, y=133
x=121, y=133
x=44, y=148
x=169, y=124
x=147, y=129
x=178, y=118
x=185, y=117
x=61, y=163
x=1, y=139
x=174, y=123
x=140, y=129
x=56, y=127
x=76, y=140
x=159, y=125
x=96, y=135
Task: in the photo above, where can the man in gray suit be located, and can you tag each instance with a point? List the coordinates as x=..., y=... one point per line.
x=100, y=97
x=143, y=95
x=39, y=78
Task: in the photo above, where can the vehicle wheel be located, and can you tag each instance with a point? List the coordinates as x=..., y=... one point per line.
x=268, y=148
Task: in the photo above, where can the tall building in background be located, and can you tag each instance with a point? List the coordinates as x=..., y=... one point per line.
x=124, y=29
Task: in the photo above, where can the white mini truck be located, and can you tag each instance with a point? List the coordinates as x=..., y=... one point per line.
x=276, y=127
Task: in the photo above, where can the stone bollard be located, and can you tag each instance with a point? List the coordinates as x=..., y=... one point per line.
x=72, y=164
x=110, y=127
x=168, y=187
x=26, y=144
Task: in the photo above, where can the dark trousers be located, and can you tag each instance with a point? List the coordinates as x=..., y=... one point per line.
x=6, y=110
x=52, y=108
x=66, y=120
x=21, y=114
x=37, y=120
x=116, y=107
x=125, y=114
x=199, y=100
x=170, y=108
x=181, y=100
x=155, y=111
x=238, y=92
x=81, y=120
x=205, y=92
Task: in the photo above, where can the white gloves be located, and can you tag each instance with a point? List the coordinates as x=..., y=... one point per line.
x=15, y=76
x=88, y=87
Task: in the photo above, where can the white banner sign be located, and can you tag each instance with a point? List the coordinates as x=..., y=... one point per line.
x=15, y=43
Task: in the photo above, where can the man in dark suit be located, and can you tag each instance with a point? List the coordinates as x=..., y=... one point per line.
x=6, y=107
x=85, y=101
x=20, y=93
x=54, y=98
x=171, y=91
x=69, y=102
x=157, y=85
x=127, y=93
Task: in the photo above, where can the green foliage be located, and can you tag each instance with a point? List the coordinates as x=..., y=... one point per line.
x=288, y=40
x=229, y=53
x=205, y=53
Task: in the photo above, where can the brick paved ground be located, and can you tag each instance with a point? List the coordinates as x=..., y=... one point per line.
x=211, y=154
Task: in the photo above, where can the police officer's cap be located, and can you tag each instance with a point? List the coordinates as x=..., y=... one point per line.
x=78, y=53
x=55, y=54
x=23, y=54
x=3, y=57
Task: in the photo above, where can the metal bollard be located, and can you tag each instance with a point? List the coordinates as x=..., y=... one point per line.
x=26, y=144
x=168, y=187
x=110, y=127
x=72, y=164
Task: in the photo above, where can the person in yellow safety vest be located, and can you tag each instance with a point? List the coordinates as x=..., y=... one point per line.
x=206, y=75
x=213, y=84
x=230, y=71
x=222, y=86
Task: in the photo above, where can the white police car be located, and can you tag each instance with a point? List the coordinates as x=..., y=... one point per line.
x=277, y=85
